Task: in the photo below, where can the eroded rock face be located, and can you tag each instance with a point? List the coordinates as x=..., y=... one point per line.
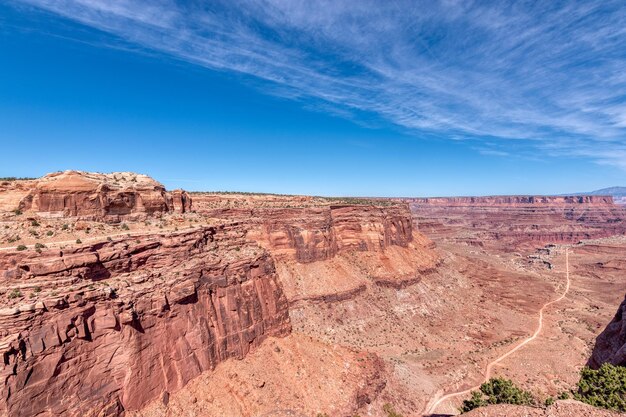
x=109, y=197
x=317, y=234
x=519, y=221
x=117, y=324
x=331, y=253
x=611, y=344
x=109, y=327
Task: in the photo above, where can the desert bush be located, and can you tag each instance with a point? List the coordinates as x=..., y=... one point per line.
x=49, y=233
x=15, y=293
x=125, y=226
x=605, y=387
x=391, y=412
x=21, y=247
x=34, y=223
x=79, y=241
x=497, y=391
x=39, y=245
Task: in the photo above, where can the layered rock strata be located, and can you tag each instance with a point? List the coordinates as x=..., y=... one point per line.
x=319, y=234
x=331, y=253
x=514, y=221
x=111, y=326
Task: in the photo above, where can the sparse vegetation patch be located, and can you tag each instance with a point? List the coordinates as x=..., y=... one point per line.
x=605, y=387
x=497, y=391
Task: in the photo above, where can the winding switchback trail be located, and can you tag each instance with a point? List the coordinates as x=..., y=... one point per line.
x=431, y=407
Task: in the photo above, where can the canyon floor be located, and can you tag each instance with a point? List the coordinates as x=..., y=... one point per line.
x=307, y=305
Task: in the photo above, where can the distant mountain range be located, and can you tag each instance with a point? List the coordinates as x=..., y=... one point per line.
x=614, y=191
x=618, y=193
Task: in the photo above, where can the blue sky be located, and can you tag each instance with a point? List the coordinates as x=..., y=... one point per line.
x=335, y=97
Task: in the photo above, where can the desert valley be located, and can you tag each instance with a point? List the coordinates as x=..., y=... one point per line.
x=120, y=297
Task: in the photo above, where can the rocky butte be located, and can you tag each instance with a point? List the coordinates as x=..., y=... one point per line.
x=104, y=197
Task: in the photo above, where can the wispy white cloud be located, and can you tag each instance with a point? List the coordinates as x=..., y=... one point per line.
x=549, y=73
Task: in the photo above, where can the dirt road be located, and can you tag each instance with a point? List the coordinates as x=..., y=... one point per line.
x=432, y=406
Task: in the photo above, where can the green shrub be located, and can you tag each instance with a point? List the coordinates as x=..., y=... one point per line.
x=549, y=401
x=391, y=412
x=49, y=233
x=79, y=241
x=125, y=226
x=15, y=293
x=65, y=226
x=39, y=245
x=605, y=387
x=497, y=391
x=34, y=223
x=17, y=212
x=564, y=395
x=21, y=247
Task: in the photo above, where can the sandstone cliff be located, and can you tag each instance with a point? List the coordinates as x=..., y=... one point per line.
x=611, y=344
x=132, y=317
x=332, y=252
x=319, y=234
x=511, y=200
x=514, y=221
x=111, y=326
x=109, y=197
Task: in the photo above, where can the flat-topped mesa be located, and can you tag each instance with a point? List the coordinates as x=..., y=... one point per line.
x=514, y=200
x=515, y=222
x=103, y=197
x=109, y=327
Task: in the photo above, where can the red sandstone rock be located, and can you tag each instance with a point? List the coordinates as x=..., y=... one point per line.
x=316, y=234
x=110, y=197
x=172, y=307
x=515, y=221
x=611, y=344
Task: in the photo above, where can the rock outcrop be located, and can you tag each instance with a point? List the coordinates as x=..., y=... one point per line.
x=331, y=252
x=112, y=326
x=611, y=344
x=102, y=197
x=319, y=234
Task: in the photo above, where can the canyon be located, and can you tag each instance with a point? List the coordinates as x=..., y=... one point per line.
x=520, y=221
x=123, y=298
